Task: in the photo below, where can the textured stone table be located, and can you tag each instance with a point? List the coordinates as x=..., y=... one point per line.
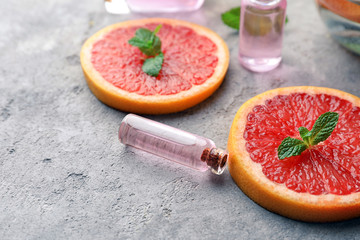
x=63, y=173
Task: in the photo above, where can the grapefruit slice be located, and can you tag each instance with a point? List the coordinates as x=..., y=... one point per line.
x=320, y=185
x=195, y=62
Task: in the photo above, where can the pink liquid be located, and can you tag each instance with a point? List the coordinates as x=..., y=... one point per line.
x=164, y=5
x=261, y=32
x=165, y=141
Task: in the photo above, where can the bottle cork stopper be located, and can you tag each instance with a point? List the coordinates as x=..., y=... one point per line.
x=215, y=158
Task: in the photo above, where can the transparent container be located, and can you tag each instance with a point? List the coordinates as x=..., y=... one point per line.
x=261, y=34
x=342, y=19
x=148, y=6
x=174, y=144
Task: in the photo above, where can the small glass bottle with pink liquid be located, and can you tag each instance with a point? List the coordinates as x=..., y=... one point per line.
x=261, y=34
x=174, y=144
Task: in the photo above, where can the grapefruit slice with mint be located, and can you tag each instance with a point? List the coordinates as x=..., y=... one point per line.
x=321, y=184
x=195, y=62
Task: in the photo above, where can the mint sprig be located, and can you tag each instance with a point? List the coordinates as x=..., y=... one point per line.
x=322, y=129
x=231, y=18
x=150, y=45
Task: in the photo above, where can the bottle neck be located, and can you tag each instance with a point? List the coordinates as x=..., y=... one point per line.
x=216, y=159
x=265, y=3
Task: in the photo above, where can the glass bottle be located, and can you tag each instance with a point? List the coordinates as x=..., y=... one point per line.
x=261, y=34
x=123, y=6
x=174, y=144
x=164, y=5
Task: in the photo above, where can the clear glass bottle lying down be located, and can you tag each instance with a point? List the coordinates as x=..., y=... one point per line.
x=174, y=144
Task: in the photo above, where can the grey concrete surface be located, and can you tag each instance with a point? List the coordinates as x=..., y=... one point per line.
x=63, y=173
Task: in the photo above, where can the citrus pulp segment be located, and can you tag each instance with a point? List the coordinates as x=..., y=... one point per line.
x=323, y=183
x=195, y=62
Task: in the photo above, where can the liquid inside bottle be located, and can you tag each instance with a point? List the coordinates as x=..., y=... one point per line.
x=261, y=33
x=174, y=144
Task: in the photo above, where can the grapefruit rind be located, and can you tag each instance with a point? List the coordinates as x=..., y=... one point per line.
x=276, y=197
x=155, y=104
x=344, y=8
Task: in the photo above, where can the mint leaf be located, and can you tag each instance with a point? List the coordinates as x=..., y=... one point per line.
x=232, y=18
x=138, y=43
x=157, y=29
x=147, y=41
x=323, y=127
x=152, y=66
x=291, y=147
x=305, y=134
x=155, y=41
x=156, y=46
x=150, y=45
x=143, y=34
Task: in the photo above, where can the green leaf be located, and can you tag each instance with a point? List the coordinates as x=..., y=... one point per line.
x=305, y=134
x=151, y=51
x=147, y=41
x=138, y=42
x=291, y=147
x=303, y=131
x=156, y=46
x=323, y=127
x=152, y=66
x=150, y=45
x=143, y=34
x=157, y=29
x=232, y=18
